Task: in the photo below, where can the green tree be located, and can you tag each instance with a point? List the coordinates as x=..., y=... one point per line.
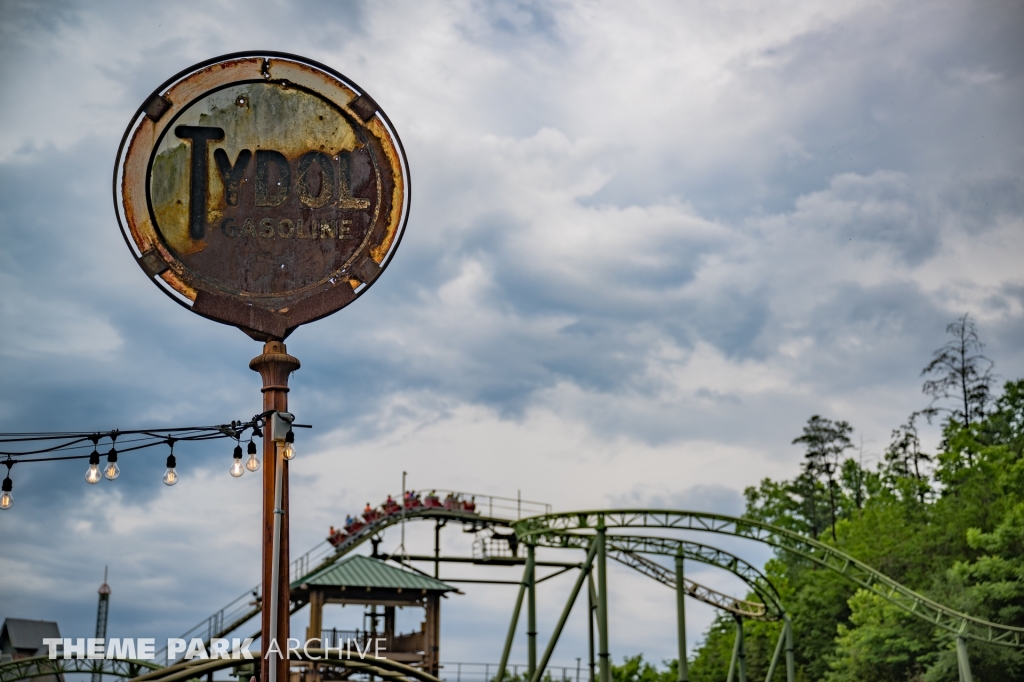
x=883, y=643
x=636, y=669
x=904, y=461
x=962, y=374
x=825, y=441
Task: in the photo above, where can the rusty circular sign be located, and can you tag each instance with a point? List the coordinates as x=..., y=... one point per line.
x=261, y=190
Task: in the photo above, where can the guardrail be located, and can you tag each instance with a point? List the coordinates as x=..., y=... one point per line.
x=487, y=672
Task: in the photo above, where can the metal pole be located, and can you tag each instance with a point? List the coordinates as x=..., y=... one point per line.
x=275, y=570
x=790, y=663
x=963, y=660
x=531, y=613
x=741, y=660
x=274, y=367
x=592, y=603
x=515, y=621
x=402, y=553
x=550, y=649
x=602, y=603
x=732, y=661
x=437, y=548
x=776, y=655
x=683, y=669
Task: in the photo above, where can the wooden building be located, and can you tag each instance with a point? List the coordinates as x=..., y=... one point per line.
x=363, y=580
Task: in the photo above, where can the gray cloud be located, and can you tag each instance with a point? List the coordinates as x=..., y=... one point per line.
x=645, y=245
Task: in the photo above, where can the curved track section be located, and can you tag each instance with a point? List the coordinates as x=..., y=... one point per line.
x=627, y=549
x=739, y=607
x=41, y=666
x=588, y=522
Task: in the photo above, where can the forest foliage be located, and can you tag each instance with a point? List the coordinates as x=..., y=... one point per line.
x=947, y=524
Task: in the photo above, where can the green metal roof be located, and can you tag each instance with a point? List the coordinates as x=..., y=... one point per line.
x=362, y=571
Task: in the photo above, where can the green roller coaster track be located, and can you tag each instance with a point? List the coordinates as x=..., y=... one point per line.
x=624, y=548
x=959, y=624
x=248, y=605
x=628, y=550
x=743, y=608
x=42, y=666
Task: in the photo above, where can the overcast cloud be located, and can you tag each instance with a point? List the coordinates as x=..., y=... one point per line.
x=648, y=241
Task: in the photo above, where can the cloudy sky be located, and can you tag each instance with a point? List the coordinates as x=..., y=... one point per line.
x=648, y=241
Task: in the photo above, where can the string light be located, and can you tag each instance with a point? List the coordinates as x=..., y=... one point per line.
x=6, y=498
x=171, y=476
x=237, y=469
x=288, y=451
x=111, y=471
x=66, y=445
x=252, y=464
x=93, y=475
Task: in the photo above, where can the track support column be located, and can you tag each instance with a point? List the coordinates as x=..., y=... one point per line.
x=738, y=664
x=550, y=648
x=683, y=667
x=790, y=663
x=778, y=653
x=602, y=602
x=592, y=607
x=515, y=621
x=963, y=661
x=531, y=611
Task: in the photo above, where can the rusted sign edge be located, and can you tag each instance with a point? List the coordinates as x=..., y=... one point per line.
x=310, y=309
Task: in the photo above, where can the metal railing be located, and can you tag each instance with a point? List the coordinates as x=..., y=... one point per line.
x=335, y=638
x=494, y=506
x=498, y=546
x=488, y=672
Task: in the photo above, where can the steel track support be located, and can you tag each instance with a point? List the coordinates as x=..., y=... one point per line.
x=683, y=667
x=515, y=621
x=732, y=660
x=550, y=648
x=531, y=611
x=963, y=661
x=787, y=627
x=777, y=655
x=592, y=604
x=602, y=603
x=738, y=664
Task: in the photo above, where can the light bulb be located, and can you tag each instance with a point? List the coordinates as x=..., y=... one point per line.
x=236, y=467
x=288, y=451
x=93, y=474
x=252, y=464
x=170, y=476
x=111, y=471
x=6, y=498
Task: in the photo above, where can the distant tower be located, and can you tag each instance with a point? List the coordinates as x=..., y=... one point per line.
x=101, y=617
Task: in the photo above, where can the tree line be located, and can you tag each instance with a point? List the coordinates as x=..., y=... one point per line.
x=948, y=524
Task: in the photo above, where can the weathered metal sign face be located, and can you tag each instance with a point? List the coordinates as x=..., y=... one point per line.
x=263, y=190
